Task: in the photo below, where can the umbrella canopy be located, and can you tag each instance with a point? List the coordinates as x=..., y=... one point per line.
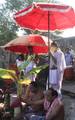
x=32, y=43
x=45, y=17
x=41, y=16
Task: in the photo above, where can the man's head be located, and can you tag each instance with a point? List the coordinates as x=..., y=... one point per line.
x=53, y=47
x=67, y=50
x=34, y=87
x=50, y=94
x=21, y=57
x=36, y=59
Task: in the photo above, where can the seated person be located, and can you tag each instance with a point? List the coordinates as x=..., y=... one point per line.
x=34, y=99
x=53, y=105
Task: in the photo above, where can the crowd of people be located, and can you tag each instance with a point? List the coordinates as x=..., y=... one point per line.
x=43, y=96
x=47, y=80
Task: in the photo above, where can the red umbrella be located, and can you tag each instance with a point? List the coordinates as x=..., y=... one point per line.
x=41, y=16
x=45, y=17
x=33, y=43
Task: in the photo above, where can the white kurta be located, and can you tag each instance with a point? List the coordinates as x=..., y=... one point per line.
x=61, y=65
x=29, y=67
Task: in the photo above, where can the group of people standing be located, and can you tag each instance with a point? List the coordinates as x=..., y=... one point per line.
x=43, y=97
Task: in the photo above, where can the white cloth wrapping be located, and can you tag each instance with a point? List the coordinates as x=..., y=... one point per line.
x=53, y=76
x=56, y=80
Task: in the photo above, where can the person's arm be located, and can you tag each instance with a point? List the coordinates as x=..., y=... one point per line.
x=37, y=102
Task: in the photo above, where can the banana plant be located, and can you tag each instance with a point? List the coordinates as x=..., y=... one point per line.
x=7, y=74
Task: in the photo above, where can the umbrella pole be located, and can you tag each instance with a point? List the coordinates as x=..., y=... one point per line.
x=48, y=46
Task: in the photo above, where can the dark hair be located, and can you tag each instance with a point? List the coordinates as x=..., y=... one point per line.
x=36, y=56
x=54, y=44
x=21, y=56
x=54, y=92
x=34, y=86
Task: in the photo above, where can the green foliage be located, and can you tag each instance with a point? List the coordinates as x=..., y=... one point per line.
x=38, y=69
x=15, y=5
x=8, y=27
x=4, y=72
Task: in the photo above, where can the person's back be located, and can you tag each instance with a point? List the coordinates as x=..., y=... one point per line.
x=53, y=105
x=60, y=114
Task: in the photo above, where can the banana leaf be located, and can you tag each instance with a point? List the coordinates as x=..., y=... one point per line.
x=38, y=69
x=25, y=63
x=7, y=74
x=25, y=81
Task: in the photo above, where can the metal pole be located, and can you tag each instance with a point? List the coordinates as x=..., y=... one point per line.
x=48, y=45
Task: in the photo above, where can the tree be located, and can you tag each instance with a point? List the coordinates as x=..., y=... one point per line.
x=8, y=28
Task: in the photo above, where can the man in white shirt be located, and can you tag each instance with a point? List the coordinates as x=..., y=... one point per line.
x=61, y=65
x=68, y=57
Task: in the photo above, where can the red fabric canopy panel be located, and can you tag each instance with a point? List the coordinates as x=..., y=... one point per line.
x=38, y=16
x=33, y=43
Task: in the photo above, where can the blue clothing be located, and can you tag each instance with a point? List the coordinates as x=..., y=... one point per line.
x=68, y=58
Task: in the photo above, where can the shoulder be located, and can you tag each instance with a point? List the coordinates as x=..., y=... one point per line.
x=57, y=102
x=59, y=53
